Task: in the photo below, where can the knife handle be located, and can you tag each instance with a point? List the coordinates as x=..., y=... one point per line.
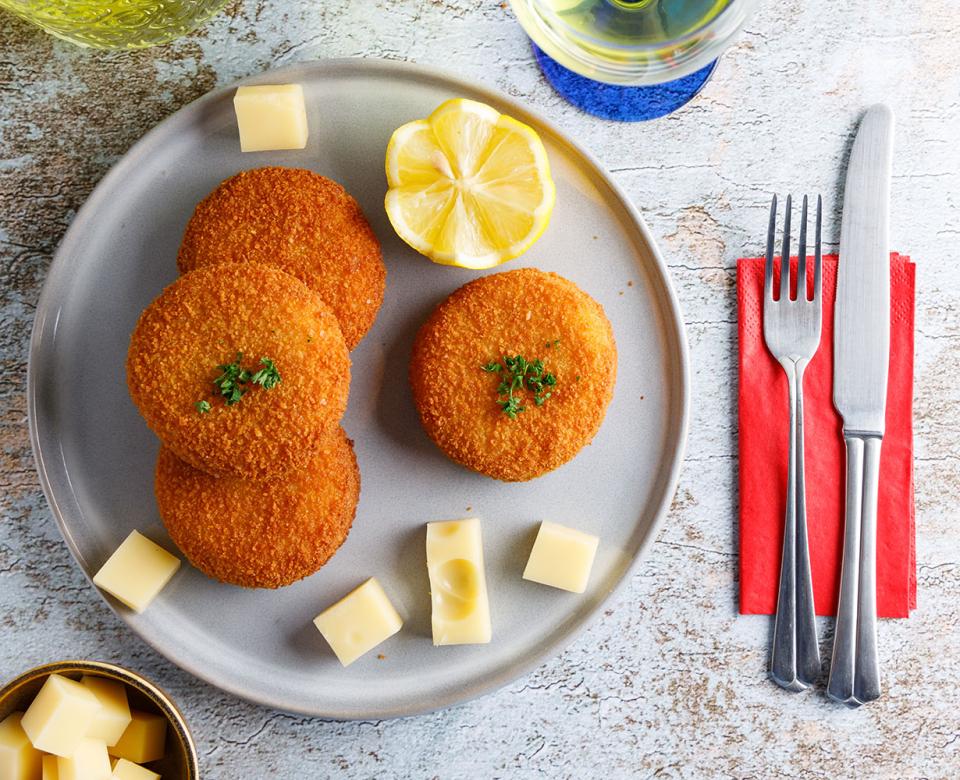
x=855, y=668
x=795, y=656
x=867, y=680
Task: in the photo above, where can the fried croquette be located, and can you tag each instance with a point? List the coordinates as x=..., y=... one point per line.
x=302, y=223
x=512, y=374
x=199, y=370
x=261, y=533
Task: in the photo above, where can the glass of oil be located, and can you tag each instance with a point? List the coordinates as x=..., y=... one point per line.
x=669, y=44
x=116, y=24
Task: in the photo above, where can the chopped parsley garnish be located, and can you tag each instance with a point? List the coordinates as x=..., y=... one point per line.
x=234, y=381
x=517, y=376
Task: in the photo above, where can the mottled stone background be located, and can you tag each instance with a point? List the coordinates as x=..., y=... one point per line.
x=669, y=682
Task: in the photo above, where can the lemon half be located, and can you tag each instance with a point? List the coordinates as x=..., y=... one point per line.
x=469, y=186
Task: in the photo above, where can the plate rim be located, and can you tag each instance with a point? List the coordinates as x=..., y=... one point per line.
x=674, y=323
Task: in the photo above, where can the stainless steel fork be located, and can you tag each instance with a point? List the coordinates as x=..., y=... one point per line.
x=791, y=330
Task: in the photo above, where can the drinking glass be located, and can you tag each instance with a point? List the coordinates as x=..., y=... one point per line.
x=116, y=24
x=630, y=59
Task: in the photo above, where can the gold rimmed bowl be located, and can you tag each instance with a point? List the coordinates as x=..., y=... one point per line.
x=180, y=761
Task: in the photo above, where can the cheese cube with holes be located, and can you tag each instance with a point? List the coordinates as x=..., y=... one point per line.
x=144, y=739
x=19, y=760
x=359, y=622
x=137, y=571
x=458, y=586
x=114, y=716
x=88, y=762
x=561, y=558
x=271, y=116
x=60, y=715
x=127, y=770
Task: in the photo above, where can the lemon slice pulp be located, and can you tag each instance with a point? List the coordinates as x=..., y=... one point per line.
x=469, y=186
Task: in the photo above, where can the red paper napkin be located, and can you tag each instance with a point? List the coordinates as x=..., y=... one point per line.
x=763, y=409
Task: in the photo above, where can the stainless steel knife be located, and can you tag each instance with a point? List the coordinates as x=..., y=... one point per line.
x=861, y=343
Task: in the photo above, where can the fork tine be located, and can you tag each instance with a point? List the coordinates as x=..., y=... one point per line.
x=802, y=255
x=817, y=260
x=785, y=256
x=768, y=268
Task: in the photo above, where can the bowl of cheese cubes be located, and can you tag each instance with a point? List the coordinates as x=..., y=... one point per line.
x=73, y=720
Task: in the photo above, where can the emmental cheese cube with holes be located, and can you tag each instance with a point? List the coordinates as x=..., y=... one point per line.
x=144, y=740
x=561, y=557
x=271, y=117
x=458, y=585
x=127, y=770
x=137, y=571
x=114, y=716
x=58, y=718
x=359, y=622
x=19, y=760
x=88, y=762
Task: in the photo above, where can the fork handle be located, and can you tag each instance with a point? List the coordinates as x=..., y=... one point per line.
x=855, y=667
x=795, y=657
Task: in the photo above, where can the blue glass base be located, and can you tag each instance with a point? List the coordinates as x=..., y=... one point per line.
x=625, y=104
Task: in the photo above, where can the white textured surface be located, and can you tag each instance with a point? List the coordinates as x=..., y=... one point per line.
x=670, y=682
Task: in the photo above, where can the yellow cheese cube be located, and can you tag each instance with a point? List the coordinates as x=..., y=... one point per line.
x=60, y=715
x=114, y=716
x=88, y=762
x=561, y=557
x=144, y=740
x=271, y=116
x=360, y=621
x=137, y=571
x=127, y=770
x=458, y=586
x=19, y=760
x=50, y=771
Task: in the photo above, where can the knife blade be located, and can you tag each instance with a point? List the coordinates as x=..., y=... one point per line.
x=861, y=340
x=861, y=362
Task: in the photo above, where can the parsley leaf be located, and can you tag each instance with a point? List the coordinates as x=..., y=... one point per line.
x=268, y=376
x=202, y=407
x=230, y=383
x=511, y=407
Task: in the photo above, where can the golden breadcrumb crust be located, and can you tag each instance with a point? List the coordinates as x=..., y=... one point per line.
x=514, y=313
x=261, y=533
x=202, y=321
x=302, y=223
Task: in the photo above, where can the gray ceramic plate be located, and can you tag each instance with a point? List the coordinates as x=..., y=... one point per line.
x=96, y=456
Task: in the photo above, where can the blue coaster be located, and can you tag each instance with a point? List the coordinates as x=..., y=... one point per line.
x=625, y=104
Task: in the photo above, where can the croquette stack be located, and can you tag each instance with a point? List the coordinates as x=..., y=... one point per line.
x=242, y=369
